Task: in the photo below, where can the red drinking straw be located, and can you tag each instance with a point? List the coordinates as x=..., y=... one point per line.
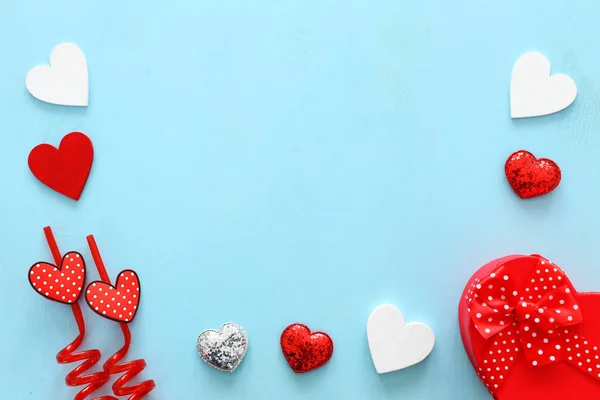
x=129, y=369
x=68, y=355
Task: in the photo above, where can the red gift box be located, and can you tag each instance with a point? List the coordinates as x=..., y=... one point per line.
x=529, y=334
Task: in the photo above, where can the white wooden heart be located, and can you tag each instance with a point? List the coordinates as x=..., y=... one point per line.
x=394, y=344
x=65, y=81
x=534, y=92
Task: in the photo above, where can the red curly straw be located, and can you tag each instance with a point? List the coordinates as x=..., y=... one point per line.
x=95, y=380
x=132, y=368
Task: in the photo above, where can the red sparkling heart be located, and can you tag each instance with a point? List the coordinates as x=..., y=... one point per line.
x=118, y=303
x=305, y=350
x=65, y=169
x=63, y=284
x=531, y=177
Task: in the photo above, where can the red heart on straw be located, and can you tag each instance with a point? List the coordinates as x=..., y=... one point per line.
x=63, y=283
x=119, y=302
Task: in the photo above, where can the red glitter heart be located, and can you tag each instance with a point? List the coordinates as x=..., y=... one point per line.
x=65, y=169
x=529, y=176
x=63, y=283
x=305, y=350
x=120, y=302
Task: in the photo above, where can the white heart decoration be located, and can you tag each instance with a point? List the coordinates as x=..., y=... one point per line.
x=534, y=92
x=65, y=81
x=394, y=344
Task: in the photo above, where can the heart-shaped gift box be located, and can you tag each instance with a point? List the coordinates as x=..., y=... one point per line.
x=529, y=334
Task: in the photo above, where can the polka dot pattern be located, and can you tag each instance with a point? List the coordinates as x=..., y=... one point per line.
x=500, y=356
x=539, y=319
x=119, y=302
x=63, y=283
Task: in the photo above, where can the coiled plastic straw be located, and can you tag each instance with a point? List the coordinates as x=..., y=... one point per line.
x=129, y=369
x=68, y=355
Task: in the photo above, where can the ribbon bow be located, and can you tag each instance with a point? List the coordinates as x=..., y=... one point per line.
x=539, y=318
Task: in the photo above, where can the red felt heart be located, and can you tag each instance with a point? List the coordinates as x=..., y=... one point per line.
x=65, y=169
x=554, y=381
x=119, y=302
x=64, y=283
x=531, y=177
x=305, y=350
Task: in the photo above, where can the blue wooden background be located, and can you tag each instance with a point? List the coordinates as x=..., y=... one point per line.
x=271, y=162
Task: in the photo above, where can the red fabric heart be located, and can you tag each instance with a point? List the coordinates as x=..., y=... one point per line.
x=118, y=303
x=555, y=380
x=531, y=177
x=65, y=169
x=64, y=283
x=305, y=350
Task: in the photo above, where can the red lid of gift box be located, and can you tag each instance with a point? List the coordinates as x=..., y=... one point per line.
x=529, y=334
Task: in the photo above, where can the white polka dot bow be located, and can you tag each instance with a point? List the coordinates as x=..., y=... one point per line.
x=539, y=317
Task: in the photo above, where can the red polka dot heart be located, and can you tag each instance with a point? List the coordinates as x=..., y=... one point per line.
x=62, y=283
x=119, y=302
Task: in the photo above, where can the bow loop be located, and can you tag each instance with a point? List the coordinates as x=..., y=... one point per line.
x=493, y=302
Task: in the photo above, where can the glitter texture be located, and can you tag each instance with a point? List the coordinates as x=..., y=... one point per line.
x=304, y=350
x=223, y=349
x=531, y=177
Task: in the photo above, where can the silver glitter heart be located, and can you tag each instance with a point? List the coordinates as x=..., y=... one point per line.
x=223, y=349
